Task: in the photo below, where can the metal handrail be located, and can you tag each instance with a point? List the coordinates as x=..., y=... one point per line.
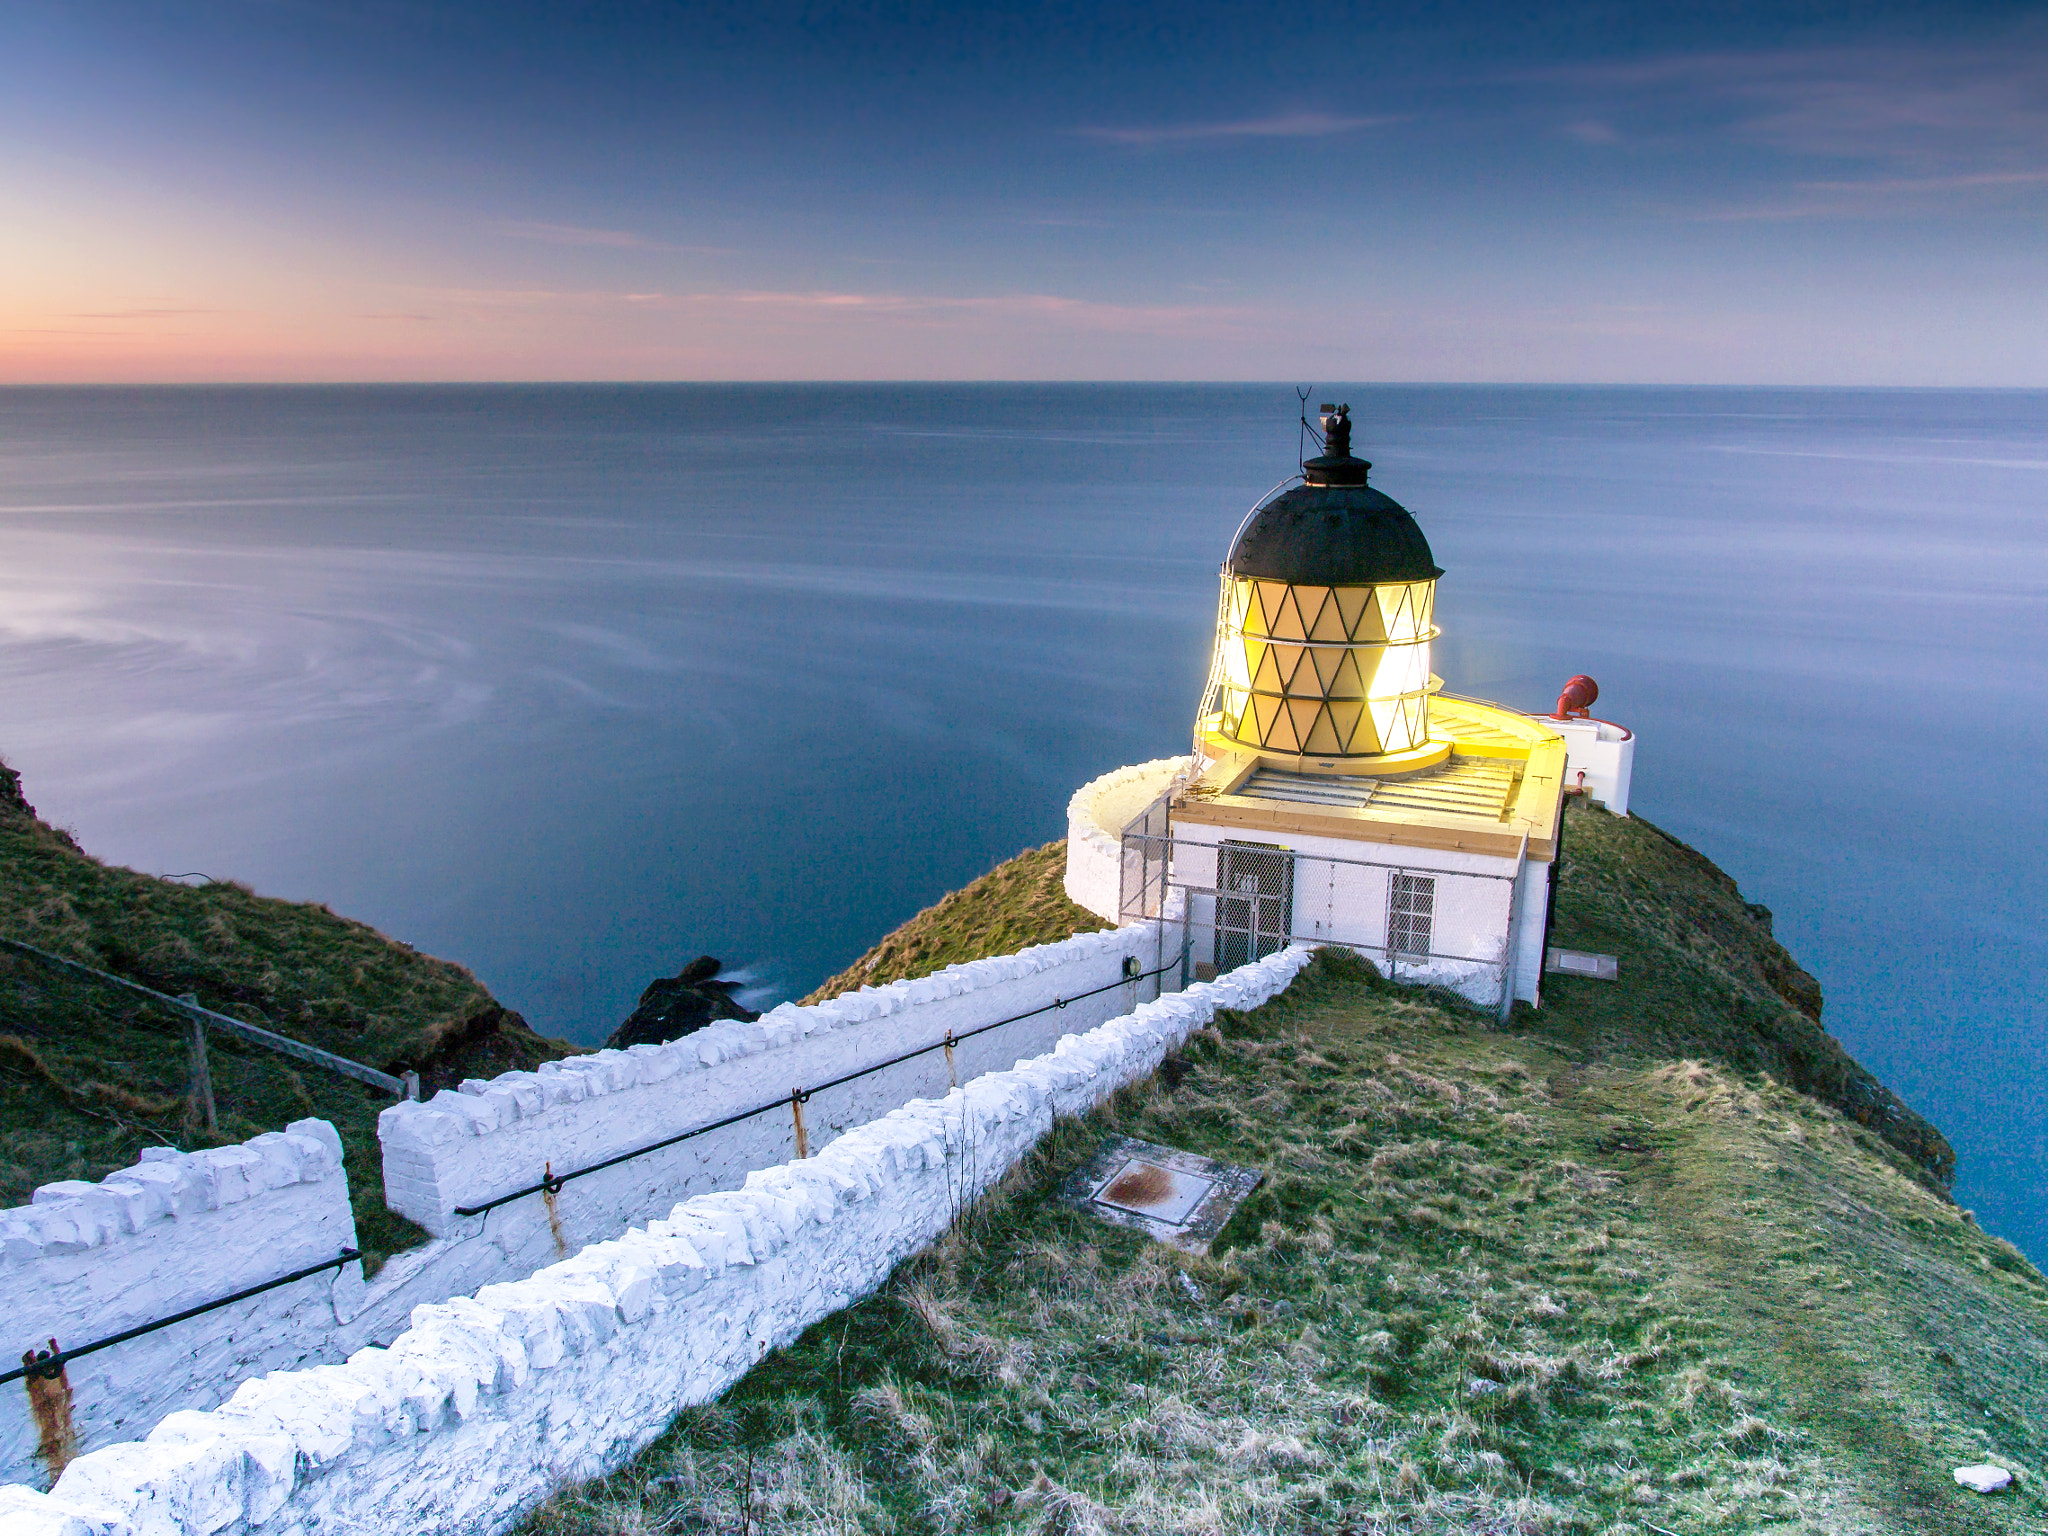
x=48, y=1364
x=406, y=1087
x=551, y=1181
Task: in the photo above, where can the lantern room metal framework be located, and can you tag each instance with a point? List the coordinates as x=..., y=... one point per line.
x=1324, y=621
x=1336, y=794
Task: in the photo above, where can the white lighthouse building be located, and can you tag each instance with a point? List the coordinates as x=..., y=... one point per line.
x=1335, y=794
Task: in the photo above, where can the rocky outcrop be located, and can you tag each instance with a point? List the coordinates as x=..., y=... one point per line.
x=678, y=1005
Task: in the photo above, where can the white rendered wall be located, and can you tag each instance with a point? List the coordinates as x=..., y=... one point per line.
x=1605, y=753
x=1096, y=818
x=1532, y=920
x=467, y=1147
x=87, y=1260
x=487, y=1404
x=1340, y=897
x=84, y=1261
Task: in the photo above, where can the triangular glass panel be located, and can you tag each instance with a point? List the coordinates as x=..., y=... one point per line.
x=1322, y=736
x=1328, y=665
x=1233, y=711
x=1319, y=612
x=1271, y=595
x=1245, y=614
x=1344, y=718
x=1286, y=618
x=1348, y=684
x=1257, y=712
x=1400, y=616
x=1386, y=714
x=1294, y=677
x=1303, y=713
x=1371, y=628
x=1352, y=603
x=1266, y=677
x=1281, y=736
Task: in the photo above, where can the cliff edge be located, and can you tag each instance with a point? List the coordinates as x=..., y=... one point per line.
x=91, y=1074
x=1659, y=1257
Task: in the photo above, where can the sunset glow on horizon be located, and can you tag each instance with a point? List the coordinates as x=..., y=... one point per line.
x=357, y=193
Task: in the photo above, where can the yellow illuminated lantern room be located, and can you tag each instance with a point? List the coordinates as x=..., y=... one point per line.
x=1336, y=796
x=1324, y=626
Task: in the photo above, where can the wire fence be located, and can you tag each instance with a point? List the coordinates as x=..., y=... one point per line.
x=1451, y=932
x=552, y=1182
x=404, y=1086
x=49, y=1364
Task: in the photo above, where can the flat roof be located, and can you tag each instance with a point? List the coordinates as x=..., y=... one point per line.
x=1503, y=779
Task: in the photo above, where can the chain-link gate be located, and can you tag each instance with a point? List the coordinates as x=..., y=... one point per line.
x=1254, y=903
x=1449, y=931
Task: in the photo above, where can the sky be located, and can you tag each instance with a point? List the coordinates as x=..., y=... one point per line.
x=289, y=190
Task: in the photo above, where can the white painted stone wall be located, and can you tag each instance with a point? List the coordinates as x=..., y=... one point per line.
x=467, y=1147
x=1096, y=818
x=84, y=1261
x=486, y=1404
x=91, y=1260
x=1600, y=758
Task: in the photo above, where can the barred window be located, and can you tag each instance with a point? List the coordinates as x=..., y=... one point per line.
x=1411, y=902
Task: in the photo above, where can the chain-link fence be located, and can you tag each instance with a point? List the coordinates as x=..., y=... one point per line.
x=1449, y=931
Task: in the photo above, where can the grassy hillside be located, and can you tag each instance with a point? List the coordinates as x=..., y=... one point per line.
x=1606, y=1271
x=90, y=1074
x=1017, y=903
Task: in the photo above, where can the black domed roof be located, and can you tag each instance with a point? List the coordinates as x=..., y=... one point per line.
x=1333, y=530
x=1333, y=536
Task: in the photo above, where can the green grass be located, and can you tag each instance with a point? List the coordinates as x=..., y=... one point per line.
x=1586, y=1275
x=90, y=1074
x=1020, y=902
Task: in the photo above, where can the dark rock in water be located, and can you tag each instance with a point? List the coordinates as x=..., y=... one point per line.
x=678, y=1005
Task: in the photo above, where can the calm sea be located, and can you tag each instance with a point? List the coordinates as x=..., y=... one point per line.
x=574, y=683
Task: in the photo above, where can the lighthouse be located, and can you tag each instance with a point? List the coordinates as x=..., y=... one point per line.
x=1336, y=793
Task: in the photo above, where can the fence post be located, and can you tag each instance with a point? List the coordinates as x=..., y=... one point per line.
x=796, y=1113
x=202, y=1076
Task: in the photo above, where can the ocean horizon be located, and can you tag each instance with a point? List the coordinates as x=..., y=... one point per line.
x=571, y=683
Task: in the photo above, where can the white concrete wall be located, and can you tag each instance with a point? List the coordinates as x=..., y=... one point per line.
x=486, y=1404
x=1532, y=915
x=464, y=1148
x=1096, y=818
x=1605, y=753
x=84, y=1261
x=1340, y=897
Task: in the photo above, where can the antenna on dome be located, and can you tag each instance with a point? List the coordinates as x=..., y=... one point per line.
x=1307, y=431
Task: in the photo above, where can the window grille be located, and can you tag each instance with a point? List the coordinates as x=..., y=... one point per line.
x=1411, y=903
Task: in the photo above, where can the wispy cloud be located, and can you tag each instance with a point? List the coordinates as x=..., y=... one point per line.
x=573, y=234
x=1879, y=196
x=1291, y=125
x=1592, y=131
x=140, y=314
x=806, y=306
x=603, y=239
x=1888, y=126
